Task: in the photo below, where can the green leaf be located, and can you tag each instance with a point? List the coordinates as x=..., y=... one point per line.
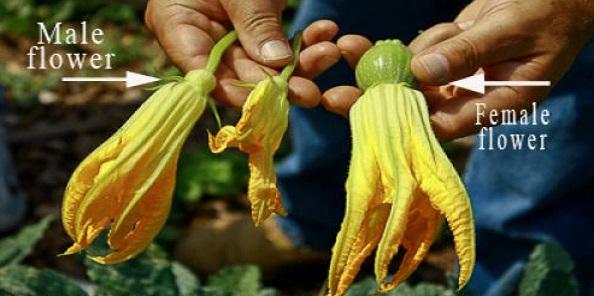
x=122, y=13
x=425, y=289
x=62, y=11
x=368, y=287
x=28, y=281
x=267, y=292
x=199, y=174
x=549, y=271
x=237, y=281
x=208, y=291
x=148, y=274
x=16, y=248
x=187, y=282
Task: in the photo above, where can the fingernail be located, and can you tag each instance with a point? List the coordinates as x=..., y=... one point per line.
x=275, y=50
x=435, y=66
x=465, y=25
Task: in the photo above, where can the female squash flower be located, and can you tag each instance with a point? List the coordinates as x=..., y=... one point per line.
x=259, y=132
x=126, y=184
x=399, y=181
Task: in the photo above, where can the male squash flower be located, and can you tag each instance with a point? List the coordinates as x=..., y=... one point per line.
x=399, y=181
x=126, y=184
x=259, y=132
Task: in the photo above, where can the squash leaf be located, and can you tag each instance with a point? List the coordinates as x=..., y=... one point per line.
x=239, y=281
x=28, y=281
x=16, y=248
x=369, y=287
x=549, y=271
x=149, y=274
x=187, y=282
x=201, y=174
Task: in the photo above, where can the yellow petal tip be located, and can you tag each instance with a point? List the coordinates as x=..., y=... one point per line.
x=74, y=249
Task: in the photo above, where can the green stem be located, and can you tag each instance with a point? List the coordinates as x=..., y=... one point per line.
x=215, y=112
x=214, y=60
x=290, y=68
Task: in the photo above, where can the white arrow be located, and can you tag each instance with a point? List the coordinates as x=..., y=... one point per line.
x=132, y=79
x=477, y=83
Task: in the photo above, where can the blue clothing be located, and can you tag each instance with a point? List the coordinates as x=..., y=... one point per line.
x=523, y=197
x=12, y=204
x=519, y=197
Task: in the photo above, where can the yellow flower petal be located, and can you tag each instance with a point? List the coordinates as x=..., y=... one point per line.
x=259, y=132
x=423, y=223
x=440, y=181
x=364, y=195
x=390, y=134
x=400, y=179
x=132, y=234
x=126, y=184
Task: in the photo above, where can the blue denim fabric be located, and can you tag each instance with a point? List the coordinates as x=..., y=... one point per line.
x=12, y=204
x=519, y=197
x=523, y=197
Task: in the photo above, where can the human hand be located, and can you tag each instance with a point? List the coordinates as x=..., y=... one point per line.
x=505, y=39
x=187, y=30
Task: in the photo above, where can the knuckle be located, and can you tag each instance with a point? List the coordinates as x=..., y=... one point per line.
x=259, y=21
x=466, y=51
x=445, y=31
x=443, y=27
x=148, y=15
x=160, y=13
x=517, y=97
x=444, y=127
x=178, y=16
x=444, y=123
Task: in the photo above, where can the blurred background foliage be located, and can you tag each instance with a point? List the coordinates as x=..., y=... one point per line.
x=548, y=272
x=125, y=36
x=227, y=175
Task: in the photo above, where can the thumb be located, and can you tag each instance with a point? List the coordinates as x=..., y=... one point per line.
x=258, y=25
x=481, y=45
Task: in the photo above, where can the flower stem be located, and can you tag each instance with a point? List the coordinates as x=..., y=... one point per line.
x=214, y=60
x=290, y=68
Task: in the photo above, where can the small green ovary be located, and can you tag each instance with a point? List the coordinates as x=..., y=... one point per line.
x=386, y=62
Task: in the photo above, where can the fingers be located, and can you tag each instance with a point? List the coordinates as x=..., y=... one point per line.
x=434, y=35
x=304, y=92
x=191, y=43
x=319, y=54
x=258, y=25
x=483, y=44
x=353, y=47
x=316, y=59
x=340, y=99
x=463, y=116
x=471, y=12
x=188, y=49
x=213, y=9
x=319, y=31
x=436, y=95
x=229, y=94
